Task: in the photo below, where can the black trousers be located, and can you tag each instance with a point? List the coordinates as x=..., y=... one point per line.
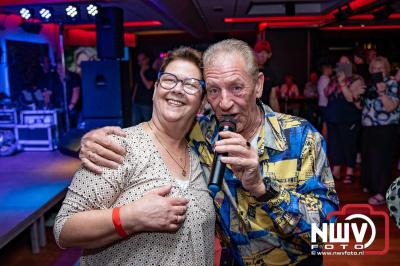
x=378, y=152
x=342, y=143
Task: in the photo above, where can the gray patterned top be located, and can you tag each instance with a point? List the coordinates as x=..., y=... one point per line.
x=143, y=169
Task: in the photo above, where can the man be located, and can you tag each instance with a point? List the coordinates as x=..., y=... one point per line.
x=263, y=52
x=277, y=181
x=142, y=96
x=52, y=95
x=73, y=90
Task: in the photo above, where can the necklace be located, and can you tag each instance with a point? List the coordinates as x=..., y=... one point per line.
x=170, y=155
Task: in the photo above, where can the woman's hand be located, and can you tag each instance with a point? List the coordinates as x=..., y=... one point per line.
x=97, y=150
x=154, y=212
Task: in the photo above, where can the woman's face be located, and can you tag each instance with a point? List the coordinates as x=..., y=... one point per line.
x=175, y=104
x=289, y=80
x=377, y=67
x=344, y=60
x=79, y=59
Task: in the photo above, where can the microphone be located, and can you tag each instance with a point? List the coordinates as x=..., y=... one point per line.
x=227, y=123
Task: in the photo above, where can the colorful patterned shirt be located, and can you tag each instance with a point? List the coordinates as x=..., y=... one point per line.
x=373, y=113
x=293, y=155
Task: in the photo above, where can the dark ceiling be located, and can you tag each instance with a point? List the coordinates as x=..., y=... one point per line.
x=200, y=17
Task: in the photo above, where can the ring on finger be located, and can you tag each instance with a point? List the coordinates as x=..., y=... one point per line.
x=248, y=144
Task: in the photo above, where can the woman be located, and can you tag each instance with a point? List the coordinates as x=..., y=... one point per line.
x=380, y=119
x=116, y=217
x=289, y=88
x=343, y=119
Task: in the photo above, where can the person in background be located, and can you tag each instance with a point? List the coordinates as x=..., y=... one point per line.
x=156, y=64
x=82, y=54
x=47, y=84
x=289, y=88
x=343, y=118
x=360, y=65
x=393, y=201
x=263, y=52
x=155, y=208
x=380, y=120
x=73, y=89
x=370, y=54
x=311, y=87
x=143, y=92
x=323, y=82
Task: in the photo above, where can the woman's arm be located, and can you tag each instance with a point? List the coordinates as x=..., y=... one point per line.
x=95, y=228
x=85, y=218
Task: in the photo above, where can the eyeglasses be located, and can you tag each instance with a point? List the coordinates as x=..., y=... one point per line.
x=169, y=81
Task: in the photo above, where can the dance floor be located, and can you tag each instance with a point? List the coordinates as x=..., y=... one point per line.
x=30, y=179
x=31, y=183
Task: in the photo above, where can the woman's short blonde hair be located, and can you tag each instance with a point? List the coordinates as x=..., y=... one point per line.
x=384, y=61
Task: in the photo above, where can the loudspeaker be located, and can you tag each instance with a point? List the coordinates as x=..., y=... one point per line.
x=106, y=94
x=110, y=33
x=290, y=9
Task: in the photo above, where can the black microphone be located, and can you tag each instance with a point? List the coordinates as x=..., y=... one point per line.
x=227, y=123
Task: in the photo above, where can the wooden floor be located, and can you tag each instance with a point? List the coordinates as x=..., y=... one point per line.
x=29, y=181
x=18, y=252
x=353, y=194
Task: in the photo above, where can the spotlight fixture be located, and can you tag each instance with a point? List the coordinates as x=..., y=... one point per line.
x=72, y=11
x=46, y=13
x=343, y=12
x=92, y=10
x=383, y=12
x=26, y=13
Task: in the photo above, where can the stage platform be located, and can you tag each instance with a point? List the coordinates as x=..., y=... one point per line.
x=30, y=184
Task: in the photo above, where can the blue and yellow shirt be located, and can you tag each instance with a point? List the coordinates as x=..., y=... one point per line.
x=293, y=155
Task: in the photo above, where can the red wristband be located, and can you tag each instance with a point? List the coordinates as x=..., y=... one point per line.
x=117, y=222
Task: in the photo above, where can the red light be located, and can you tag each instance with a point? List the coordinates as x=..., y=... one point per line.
x=148, y=23
x=375, y=27
x=78, y=37
x=262, y=26
x=273, y=19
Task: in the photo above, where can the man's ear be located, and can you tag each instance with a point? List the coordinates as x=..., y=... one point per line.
x=259, y=86
x=269, y=55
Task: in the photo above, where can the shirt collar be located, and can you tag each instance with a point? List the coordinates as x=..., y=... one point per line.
x=271, y=132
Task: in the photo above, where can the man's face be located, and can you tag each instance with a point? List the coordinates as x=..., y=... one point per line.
x=314, y=77
x=142, y=60
x=262, y=57
x=371, y=55
x=231, y=90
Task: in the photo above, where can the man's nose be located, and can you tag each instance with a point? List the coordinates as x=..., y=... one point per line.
x=226, y=100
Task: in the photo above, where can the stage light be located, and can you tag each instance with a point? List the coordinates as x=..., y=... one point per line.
x=72, y=11
x=92, y=10
x=343, y=12
x=26, y=13
x=384, y=12
x=45, y=13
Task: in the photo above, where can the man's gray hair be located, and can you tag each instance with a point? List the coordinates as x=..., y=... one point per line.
x=232, y=46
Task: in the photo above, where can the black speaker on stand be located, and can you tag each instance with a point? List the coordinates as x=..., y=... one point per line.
x=110, y=33
x=105, y=90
